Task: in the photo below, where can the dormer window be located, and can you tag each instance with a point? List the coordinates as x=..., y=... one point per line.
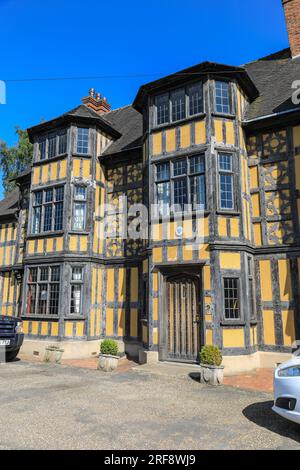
x=179, y=104
x=222, y=97
x=82, y=140
x=52, y=145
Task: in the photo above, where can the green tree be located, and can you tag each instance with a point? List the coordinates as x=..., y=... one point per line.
x=15, y=159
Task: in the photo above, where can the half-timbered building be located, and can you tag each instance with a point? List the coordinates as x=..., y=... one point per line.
x=221, y=137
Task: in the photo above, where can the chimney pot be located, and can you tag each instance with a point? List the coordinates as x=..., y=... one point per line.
x=292, y=18
x=96, y=102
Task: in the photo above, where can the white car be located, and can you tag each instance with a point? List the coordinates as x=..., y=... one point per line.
x=287, y=390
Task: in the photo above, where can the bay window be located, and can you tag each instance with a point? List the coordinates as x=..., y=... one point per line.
x=48, y=210
x=181, y=182
x=179, y=104
x=43, y=289
x=82, y=140
x=52, y=145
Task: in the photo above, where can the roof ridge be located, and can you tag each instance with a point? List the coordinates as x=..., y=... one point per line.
x=269, y=57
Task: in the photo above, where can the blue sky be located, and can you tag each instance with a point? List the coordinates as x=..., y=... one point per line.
x=144, y=39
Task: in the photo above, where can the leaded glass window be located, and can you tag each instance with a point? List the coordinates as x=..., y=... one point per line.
x=43, y=290
x=231, y=298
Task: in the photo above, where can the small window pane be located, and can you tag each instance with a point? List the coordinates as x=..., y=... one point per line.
x=80, y=193
x=198, y=191
x=77, y=274
x=62, y=143
x=79, y=216
x=44, y=272
x=38, y=197
x=82, y=140
x=225, y=162
x=179, y=167
x=222, y=97
x=49, y=195
x=178, y=105
x=197, y=164
x=180, y=192
x=59, y=194
x=231, y=298
x=76, y=299
x=31, y=298
x=226, y=191
x=55, y=274
x=58, y=216
x=37, y=219
x=53, y=299
x=162, y=171
x=162, y=109
x=48, y=218
x=42, y=301
x=163, y=198
x=32, y=275
x=42, y=150
x=51, y=147
x=196, y=99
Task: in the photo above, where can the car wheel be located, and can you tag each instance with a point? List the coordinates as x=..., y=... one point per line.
x=11, y=355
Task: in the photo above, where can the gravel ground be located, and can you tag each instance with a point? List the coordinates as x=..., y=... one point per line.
x=45, y=406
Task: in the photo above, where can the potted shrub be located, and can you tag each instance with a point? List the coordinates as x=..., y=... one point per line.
x=211, y=370
x=108, y=357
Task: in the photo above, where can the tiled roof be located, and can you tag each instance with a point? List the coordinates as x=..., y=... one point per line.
x=9, y=205
x=273, y=76
x=129, y=123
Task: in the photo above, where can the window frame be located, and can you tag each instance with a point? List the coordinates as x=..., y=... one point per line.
x=82, y=201
x=40, y=282
x=230, y=97
x=45, y=139
x=251, y=289
x=240, y=318
x=187, y=111
x=42, y=207
x=88, y=141
x=232, y=173
x=74, y=282
x=188, y=175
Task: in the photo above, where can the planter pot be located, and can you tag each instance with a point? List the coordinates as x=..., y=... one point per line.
x=53, y=354
x=107, y=362
x=211, y=375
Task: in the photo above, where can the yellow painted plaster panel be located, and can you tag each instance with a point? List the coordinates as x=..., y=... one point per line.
x=235, y=228
x=286, y=293
x=222, y=226
x=109, y=321
x=171, y=140
x=288, y=324
x=200, y=133
x=157, y=254
x=219, y=130
x=229, y=260
x=185, y=136
x=255, y=205
x=254, y=177
x=233, y=338
x=265, y=280
x=110, y=284
x=206, y=277
x=269, y=328
x=257, y=234
x=157, y=143
x=229, y=133
x=172, y=253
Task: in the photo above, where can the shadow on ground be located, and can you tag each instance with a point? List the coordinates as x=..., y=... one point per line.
x=262, y=415
x=195, y=376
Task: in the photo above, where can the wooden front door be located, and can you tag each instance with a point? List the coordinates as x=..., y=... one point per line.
x=183, y=319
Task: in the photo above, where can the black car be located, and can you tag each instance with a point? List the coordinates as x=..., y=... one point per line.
x=11, y=336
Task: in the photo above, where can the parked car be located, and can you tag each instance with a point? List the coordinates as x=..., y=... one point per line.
x=287, y=390
x=11, y=336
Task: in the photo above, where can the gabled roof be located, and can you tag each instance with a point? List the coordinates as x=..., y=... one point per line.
x=273, y=76
x=191, y=73
x=9, y=205
x=129, y=123
x=82, y=114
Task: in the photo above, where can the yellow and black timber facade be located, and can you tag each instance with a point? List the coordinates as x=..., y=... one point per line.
x=211, y=134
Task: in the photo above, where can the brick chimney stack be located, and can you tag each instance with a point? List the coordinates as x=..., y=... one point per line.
x=292, y=17
x=97, y=102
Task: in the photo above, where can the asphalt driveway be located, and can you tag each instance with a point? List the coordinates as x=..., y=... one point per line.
x=45, y=406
